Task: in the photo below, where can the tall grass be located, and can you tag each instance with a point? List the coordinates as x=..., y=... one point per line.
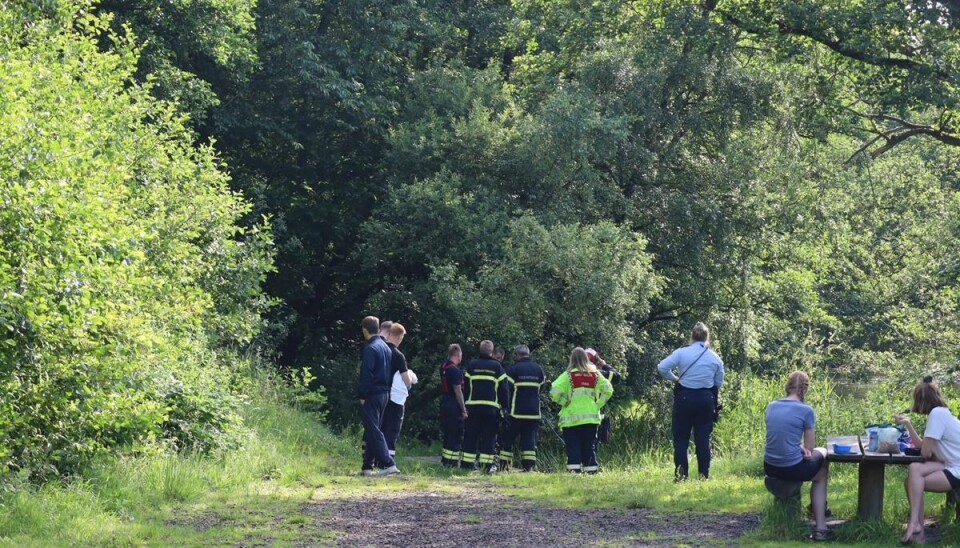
x=288, y=456
x=133, y=499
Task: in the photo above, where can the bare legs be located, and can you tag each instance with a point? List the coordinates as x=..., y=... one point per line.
x=818, y=490
x=922, y=476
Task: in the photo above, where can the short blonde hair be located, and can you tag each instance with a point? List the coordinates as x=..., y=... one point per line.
x=486, y=348
x=454, y=350
x=397, y=330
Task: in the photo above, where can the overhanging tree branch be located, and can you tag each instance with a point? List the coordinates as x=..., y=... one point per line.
x=900, y=132
x=837, y=45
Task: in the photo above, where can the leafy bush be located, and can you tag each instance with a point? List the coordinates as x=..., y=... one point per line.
x=123, y=272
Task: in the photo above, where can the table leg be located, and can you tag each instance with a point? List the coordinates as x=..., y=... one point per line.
x=870, y=498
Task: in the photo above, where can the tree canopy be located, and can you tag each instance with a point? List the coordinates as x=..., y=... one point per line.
x=549, y=173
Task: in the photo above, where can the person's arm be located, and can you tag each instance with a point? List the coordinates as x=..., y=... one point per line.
x=718, y=375
x=809, y=433
x=610, y=373
x=367, y=365
x=605, y=391
x=399, y=363
x=667, y=365
x=914, y=437
x=928, y=449
x=560, y=392
x=809, y=442
x=458, y=392
x=507, y=388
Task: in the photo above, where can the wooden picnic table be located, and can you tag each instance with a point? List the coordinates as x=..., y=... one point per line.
x=871, y=472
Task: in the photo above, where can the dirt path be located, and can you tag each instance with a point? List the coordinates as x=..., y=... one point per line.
x=482, y=517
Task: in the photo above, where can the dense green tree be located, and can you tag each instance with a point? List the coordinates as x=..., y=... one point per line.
x=124, y=276
x=191, y=50
x=563, y=173
x=882, y=71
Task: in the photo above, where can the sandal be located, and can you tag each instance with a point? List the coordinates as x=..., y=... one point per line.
x=916, y=538
x=821, y=535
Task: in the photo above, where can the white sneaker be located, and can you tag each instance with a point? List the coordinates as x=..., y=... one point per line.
x=389, y=471
x=366, y=472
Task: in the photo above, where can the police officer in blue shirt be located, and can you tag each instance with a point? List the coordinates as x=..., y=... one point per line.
x=698, y=377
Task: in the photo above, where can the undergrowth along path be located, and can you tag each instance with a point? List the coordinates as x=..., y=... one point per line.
x=481, y=515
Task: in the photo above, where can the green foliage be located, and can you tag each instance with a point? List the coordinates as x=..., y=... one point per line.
x=124, y=269
x=558, y=174
x=189, y=48
x=152, y=498
x=885, y=72
x=555, y=289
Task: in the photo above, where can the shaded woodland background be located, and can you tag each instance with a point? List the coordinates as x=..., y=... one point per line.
x=191, y=186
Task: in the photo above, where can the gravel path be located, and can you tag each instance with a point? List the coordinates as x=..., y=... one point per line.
x=482, y=517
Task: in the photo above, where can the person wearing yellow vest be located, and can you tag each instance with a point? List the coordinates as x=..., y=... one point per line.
x=581, y=392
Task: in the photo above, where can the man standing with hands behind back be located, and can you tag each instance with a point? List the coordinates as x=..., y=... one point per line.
x=374, y=392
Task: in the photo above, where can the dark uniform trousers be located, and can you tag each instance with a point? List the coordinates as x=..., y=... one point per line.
x=692, y=409
x=527, y=430
x=480, y=435
x=392, y=424
x=503, y=434
x=581, y=444
x=451, y=426
x=375, y=445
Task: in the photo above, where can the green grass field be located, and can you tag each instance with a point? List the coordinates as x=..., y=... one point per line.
x=254, y=495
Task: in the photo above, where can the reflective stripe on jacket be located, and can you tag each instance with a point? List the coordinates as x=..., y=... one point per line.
x=581, y=395
x=525, y=378
x=484, y=383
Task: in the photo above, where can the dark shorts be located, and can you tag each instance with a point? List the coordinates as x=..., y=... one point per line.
x=954, y=482
x=802, y=471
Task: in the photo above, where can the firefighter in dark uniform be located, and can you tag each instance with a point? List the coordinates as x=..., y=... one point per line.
x=486, y=393
x=500, y=354
x=453, y=411
x=524, y=378
x=606, y=424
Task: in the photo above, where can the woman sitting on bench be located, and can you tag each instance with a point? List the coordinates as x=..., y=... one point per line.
x=940, y=445
x=790, y=454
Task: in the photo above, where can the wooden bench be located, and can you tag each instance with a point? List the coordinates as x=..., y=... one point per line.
x=786, y=494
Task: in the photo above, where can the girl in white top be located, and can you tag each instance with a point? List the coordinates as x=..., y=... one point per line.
x=940, y=445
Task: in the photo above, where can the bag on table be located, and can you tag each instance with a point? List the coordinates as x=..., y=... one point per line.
x=888, y=439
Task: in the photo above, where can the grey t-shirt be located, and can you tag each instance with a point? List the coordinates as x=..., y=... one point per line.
x=786, y=421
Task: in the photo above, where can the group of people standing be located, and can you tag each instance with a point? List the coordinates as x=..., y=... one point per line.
x=486, y=402
x=385, y=381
